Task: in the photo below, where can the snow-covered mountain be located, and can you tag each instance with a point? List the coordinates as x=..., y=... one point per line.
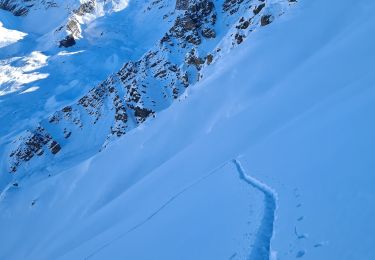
x=188, y=129
x=200, y=35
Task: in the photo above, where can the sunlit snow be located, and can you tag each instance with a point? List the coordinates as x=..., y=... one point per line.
x=8, y=36
x=17, y=71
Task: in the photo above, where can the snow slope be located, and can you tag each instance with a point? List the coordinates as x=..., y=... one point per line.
x=288, y=118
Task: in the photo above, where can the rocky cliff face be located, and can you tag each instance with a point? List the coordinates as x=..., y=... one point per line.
x=182, y=4
x=206, y=31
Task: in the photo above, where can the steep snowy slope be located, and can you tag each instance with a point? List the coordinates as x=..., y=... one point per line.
x=198, y=37
x=277, y=141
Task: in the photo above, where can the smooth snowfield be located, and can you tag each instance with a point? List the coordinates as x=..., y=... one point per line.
x=294, y=105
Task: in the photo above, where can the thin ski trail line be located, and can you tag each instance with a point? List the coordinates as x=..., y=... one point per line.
x=262, y=246
x=261, y=249
x=155, y=212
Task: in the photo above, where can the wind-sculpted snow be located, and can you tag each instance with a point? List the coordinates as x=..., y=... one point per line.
x=203, y=33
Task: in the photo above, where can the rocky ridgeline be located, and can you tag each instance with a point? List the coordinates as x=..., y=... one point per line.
x=144, y=87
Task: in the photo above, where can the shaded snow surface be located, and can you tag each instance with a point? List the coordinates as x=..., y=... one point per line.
x=294, y=105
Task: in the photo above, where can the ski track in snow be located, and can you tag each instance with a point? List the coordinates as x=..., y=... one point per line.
x=262, y=246
x=155, y=212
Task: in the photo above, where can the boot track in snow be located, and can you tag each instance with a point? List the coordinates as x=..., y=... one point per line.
x=262, y=246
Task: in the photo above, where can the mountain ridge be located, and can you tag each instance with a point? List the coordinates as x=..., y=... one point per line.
x=129, y=97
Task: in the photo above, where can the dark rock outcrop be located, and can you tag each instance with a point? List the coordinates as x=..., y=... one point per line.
x=266, y=19
x=67, y=42
x=34, y=143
